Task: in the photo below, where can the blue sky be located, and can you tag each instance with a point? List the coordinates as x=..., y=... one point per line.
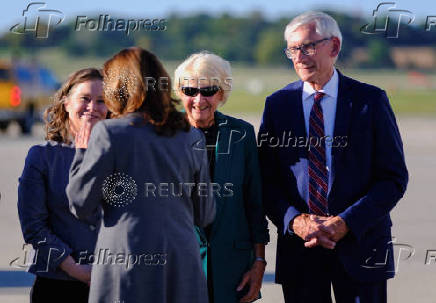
x=11, y=11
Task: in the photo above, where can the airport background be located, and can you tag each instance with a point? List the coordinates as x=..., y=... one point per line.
x=250, y=36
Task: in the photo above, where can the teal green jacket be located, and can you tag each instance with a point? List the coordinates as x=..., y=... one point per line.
x=240, y=220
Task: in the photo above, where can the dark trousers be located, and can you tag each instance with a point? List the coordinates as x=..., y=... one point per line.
x=46, y=290
x=313, y=284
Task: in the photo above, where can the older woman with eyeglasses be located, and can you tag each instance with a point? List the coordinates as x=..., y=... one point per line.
x=233, y=246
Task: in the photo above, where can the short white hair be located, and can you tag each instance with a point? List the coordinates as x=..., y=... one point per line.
x=325, y=25
x=207, y=66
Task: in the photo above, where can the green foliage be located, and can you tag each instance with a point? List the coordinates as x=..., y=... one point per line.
x=269, y=49
x=251, y=39
x=378, y=51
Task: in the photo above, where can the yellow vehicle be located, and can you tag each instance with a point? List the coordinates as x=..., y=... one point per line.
x=25, y=91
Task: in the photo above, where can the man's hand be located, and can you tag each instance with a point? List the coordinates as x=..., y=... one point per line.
x=335, y=227
x=254, y=278
x=310, y=228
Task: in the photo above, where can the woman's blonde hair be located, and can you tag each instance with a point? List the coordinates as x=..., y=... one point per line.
x=56, y=117
x=205, y=66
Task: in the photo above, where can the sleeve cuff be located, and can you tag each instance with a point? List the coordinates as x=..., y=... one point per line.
x=354, y=229
x=291, y=213
x=59, y=259
x=80, y=153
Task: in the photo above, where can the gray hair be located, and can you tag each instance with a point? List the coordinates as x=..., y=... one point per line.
x=208, y=67
x=325, y=25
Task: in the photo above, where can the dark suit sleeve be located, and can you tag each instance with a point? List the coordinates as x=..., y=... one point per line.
x=87, y=173
x=34, y=213
x=275, y=200
x=253, y=191
x=390, y=172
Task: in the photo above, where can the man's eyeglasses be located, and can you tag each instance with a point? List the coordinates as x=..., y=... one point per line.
x=208, y=91
x=308, y=49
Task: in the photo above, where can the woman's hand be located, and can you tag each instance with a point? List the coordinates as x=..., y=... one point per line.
x=82, y=137
x=81, y=272
x=253, y=278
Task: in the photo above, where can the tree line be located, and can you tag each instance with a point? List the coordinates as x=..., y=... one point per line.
x=251, y=39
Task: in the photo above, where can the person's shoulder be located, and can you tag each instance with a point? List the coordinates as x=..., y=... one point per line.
x=112, y=127
x=193, y=134
x=282, y=97
x=44, y=147
x=364, y=94
x=360, y=88
x=111, y=124
x=39, y=152
x=286, y=90
x=122, y=124
x=192, y=139
x=233, y=122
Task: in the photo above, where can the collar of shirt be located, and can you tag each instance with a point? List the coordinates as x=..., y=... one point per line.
x=330, y=88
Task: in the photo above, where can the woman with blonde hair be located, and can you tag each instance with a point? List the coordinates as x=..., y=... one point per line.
x=139, y=168
x=59, y=239
x=233, y=246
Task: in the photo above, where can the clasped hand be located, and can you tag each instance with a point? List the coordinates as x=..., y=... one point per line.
x=319, y=230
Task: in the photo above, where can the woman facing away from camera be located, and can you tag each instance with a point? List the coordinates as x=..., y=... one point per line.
x=139, y=167
x=60, y=240
x=233, y=246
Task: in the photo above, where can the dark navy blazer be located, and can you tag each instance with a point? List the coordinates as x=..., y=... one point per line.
x=45, y=217
x=370, y=176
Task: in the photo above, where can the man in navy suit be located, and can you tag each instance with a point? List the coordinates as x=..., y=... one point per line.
x=333, y=168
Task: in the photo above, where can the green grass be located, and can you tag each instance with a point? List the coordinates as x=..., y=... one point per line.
x=403, y=102
x=409, y=92
x=413, y=102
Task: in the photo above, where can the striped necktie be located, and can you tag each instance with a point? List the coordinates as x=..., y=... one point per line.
x=318, y=176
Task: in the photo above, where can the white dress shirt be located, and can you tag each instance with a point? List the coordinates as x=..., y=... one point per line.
x=301, y=168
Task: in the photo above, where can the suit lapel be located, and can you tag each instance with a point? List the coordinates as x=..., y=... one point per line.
x=342, y=122
x=297, y=119
x=223, y=160
x=299, y=125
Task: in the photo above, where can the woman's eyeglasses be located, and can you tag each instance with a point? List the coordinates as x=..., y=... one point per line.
x=208, y=91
